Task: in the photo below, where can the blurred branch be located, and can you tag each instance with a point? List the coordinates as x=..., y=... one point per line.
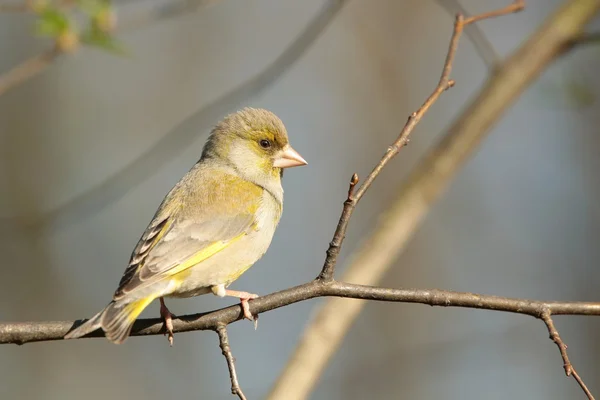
x=14, y=8
x=171, y=144
x=28, y=69
x=424, y=185
x=39, y=63
x=226, y=350
x=592, y=38
x=167, y=10
x=546, y=316
x=53, y=20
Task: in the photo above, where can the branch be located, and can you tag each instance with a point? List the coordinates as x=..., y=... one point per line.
x=32, y=67
x=591, y=38
x=28, y=69
x=27, y=332
x=516, y=6
x=562, y=347
x=424, y=185
x=480, y=42
x=226, y=350
x=443, y=84
x=39, y=63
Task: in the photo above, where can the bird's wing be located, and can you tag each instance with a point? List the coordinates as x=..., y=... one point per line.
x=172, y=247
x=173, y=243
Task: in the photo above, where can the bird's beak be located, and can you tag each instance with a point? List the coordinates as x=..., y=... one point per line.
x=288, y=158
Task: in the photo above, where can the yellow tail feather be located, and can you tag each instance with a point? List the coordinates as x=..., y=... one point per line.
x=115, y=320
x=118, y=318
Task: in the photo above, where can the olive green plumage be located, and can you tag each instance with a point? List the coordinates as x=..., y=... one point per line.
x=215, y=223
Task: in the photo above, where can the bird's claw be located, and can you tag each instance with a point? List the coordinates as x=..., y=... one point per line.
x=168, y=320
x=246, y=309
x=169, y=334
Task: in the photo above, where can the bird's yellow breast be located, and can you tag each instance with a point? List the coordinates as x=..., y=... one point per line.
x=226, y=263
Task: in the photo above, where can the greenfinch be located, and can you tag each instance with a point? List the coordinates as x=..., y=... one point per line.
x=213, y=225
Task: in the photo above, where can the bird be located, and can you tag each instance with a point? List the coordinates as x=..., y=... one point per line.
x=213, y=225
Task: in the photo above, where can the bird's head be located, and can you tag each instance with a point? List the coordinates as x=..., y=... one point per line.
x=255, y=142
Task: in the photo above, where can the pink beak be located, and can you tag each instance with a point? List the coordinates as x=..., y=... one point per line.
x=289, y=158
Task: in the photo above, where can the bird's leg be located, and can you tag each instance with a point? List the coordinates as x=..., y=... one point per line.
x=168, y=318
x=220, y=291
x=244, y=297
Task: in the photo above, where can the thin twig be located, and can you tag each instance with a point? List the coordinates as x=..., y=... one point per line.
x=518, y=5
x=226, y=350
x=546, y=316
x=480, y=42
x=28, y=69
x=443, y=84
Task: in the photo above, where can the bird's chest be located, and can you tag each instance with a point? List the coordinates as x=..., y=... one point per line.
x=254, y=245
x=229, y=264
x=267, y=219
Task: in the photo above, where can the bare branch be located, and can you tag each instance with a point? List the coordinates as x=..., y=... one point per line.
x=546, y=316
x=226, y=350
x=444, y=84
x=28, y=69
x=518, y=5
x=480, y=42
x=26, y=332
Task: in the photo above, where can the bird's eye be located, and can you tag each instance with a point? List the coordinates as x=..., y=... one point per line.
x=265, y=144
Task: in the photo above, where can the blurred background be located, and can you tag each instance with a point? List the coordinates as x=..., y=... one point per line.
x=89, y=148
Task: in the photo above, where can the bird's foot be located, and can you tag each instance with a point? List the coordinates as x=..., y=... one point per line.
x=244, y=297
x=168, y=318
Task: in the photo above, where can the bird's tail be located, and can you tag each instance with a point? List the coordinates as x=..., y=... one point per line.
x=115, y=320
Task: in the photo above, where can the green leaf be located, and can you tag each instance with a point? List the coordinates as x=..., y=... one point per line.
x=52, y=22
x=97, y=38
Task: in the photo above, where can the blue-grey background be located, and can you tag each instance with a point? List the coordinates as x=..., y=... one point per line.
x=89, y=148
